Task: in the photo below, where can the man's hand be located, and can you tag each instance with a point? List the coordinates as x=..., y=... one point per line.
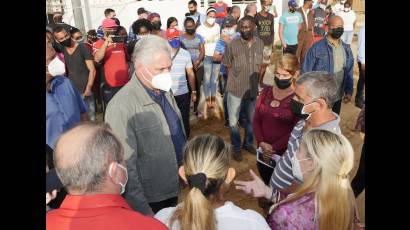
x=87, y=92
x=256, y=188
x=347, y=98
x=51, y=196
x=193, y=96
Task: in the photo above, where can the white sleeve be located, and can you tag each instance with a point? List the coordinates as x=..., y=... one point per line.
x=259, y=223
x=164, y=215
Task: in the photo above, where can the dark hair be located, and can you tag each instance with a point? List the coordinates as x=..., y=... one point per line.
x=248, y=18
x=59, y=28
x=116, y=21
x=171, y=20
x=189, y=19
x=92, y=36
x=119, y=28
x=193, y=2
x=138, y=24
x=108, y=11
x=74, y=30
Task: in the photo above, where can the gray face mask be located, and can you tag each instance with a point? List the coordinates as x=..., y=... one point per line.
x=126, y=177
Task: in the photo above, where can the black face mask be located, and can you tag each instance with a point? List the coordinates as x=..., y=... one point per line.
x=58, y=47
x=156, y=25
x=292, y=10
x=246, y=35
x=337, y=32
x=283, y=84
x=190, y=31
x=296, y=108
x=66, y=43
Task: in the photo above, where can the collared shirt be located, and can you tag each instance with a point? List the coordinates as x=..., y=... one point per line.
x=63, y=108
x=361, y=52
x=338, y=66
x=245, y=62
x=175, y=127
x=282, y=176
x=101, y=211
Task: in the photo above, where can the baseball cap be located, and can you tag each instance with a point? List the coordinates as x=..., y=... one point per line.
x=108, y=23
x=229, y=21
x=293, y=3
x=172, y=33
x=142, y=10
x=153, y=15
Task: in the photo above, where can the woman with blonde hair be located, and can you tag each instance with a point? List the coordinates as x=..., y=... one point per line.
x=207, y=171
x=273, y=120
x=325, y=200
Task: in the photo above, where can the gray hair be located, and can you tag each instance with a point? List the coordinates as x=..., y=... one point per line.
x=319, y=84
x=90, y=169
x=148, y=46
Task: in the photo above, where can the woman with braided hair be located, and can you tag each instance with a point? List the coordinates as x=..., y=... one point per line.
x=207, y=171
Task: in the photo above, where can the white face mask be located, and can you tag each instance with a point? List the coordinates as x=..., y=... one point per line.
x=347, y=9
x=322, y=6
x=210, y=21
x=296, y=170
x=162, y=81
x=56, y=67
x=342, y=2
x=142, y=36
x=126, y=177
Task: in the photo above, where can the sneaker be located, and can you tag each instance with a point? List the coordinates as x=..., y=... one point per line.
x=237, y=156
x=250, y=149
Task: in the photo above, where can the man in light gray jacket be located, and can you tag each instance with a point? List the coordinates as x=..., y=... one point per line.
x=146, y=118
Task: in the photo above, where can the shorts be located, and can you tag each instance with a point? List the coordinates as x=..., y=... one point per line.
x=267, y=53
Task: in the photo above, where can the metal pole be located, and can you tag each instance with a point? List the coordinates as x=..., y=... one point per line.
x=78, y=15
x=88, y=15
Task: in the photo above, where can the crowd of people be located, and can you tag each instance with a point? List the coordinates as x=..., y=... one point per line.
x=127, y=171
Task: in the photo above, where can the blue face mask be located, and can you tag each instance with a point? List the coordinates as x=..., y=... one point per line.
x=175, y=43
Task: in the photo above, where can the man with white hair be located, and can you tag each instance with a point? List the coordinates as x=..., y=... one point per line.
x=315, y=94
x=146, y=118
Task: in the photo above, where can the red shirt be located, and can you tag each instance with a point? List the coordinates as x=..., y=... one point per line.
x=273, y=125
x=102, y=212
x=115, y=63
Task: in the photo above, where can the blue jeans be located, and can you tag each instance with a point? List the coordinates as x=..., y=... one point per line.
x=347, y=37
x=90, y=103
x=234, y=107
x=211, y=73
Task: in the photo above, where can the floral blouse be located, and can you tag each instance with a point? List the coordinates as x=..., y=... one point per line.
x=296, y=215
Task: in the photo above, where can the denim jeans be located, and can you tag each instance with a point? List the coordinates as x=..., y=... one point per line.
x=347, y=37
x=211, y=73
x=90, y=103
x=183, y=102
x=234, y=107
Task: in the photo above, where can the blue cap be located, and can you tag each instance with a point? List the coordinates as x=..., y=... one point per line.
x=293, y=3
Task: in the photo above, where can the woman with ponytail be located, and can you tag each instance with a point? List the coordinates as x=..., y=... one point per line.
x=325, y=200
x=207, y=172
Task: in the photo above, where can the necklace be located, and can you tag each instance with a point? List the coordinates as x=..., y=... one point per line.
x=276, y=102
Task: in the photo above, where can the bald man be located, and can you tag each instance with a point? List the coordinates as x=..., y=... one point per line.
x=89, y=160
x=331, y=54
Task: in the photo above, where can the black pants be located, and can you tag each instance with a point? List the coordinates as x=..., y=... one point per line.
x=199, y=76
x=183, y=102
x=265, y=172
x=360, y=87
x=337, y=106
x=291, y=49
x=358, y=182
x=107, y=93
x=157, y=206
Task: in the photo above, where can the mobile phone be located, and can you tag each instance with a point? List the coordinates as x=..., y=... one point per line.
x=118, y=39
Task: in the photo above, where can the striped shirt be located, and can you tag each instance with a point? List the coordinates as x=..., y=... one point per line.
x=244, y=63
x=282, y=176
x=179, y=65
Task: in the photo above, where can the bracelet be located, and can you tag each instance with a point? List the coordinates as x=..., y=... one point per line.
x=193, y=91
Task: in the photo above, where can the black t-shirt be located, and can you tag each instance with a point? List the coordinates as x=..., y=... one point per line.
x=319, y=16
x=265, y=27
x=76, y=66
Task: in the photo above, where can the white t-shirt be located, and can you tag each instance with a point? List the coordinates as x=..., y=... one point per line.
x=211, y=36
x=348, y=19
x=228, y=217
